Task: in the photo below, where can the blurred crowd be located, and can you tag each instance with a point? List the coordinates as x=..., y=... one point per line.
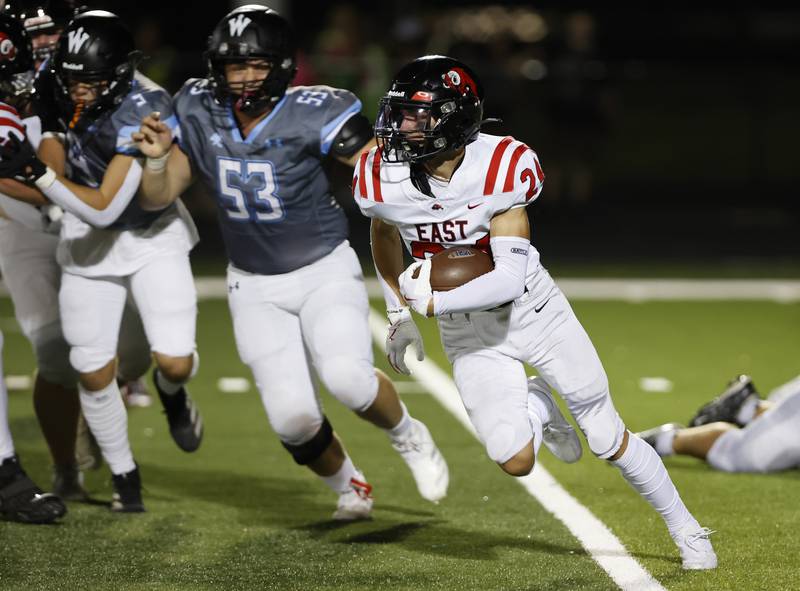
x=635, y=115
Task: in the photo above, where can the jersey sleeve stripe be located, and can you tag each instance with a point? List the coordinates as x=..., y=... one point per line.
x=512, y=167
x=376, y=176
x=494, y=165
x=13, y=123
x=362, y=173
x=9, y=109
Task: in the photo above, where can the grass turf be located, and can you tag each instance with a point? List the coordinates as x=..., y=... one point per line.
x=240, y=514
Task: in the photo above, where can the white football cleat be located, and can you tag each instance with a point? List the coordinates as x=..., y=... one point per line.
x=356, y=503
x=557, y=434
x=696, y=550
x=425, y=460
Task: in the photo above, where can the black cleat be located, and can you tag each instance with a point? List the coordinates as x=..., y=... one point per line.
x=651, y=435
x=68, y=483
x=21, y=500
x=726, y=406
x=185, y=422
x=127, y=496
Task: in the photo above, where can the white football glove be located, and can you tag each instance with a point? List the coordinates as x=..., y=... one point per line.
x=417, y=291
x=402, y=333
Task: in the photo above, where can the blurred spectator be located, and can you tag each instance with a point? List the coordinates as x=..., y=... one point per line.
x=347, y=58
x=579, y=111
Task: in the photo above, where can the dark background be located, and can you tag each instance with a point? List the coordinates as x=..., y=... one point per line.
x=668, y=136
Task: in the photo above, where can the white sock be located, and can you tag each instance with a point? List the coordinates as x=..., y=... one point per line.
x=105, y=414
x=664, y=443
x=542, y=408
x=644, y=470
x=747, y=412
x=6, y=442
x=402, y=428
x=538, y=416
x=340, y=482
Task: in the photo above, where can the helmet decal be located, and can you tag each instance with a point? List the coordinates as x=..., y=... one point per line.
x=76, y=38
x=7, y=49
x=421, y=95
x=460, y=81
x=238, y=25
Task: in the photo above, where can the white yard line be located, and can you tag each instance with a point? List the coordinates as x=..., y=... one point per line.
x=603, y=546
x=629, y=290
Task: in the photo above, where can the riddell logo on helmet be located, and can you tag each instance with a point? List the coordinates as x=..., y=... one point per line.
x=397, y=93
x=69, y=66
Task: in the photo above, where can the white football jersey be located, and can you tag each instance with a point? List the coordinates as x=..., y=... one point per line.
x=19, y=211
x=496, y=174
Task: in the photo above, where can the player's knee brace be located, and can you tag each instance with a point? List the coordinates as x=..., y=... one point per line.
x=52, y=361
x=351, y=381
x=309, y=451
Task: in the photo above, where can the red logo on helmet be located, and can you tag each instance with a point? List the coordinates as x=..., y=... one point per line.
x=7, y=49
x=421, y=95
x=459, y=80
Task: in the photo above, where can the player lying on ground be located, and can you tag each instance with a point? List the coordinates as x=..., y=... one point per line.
x=435, y=181
x=296, y=290
x=739, y=431
x=109, y=245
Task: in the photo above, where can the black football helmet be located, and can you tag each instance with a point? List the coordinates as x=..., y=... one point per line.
x=435, y=105
x=252, y=32
x=95, y=48
x=16, y=62
x=43, y=17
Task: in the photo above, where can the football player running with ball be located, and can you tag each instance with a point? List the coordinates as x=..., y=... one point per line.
x=296, y=290
x=109, y=246
x=435, y=181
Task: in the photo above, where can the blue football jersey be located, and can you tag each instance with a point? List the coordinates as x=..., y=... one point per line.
x=276, y=210
x=89, y=153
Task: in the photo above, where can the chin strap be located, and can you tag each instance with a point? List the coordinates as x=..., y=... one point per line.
x=490, y=121
x=420, y=179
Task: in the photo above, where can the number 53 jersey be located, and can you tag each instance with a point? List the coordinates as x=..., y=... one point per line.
x=496, y=174
x=274, y=203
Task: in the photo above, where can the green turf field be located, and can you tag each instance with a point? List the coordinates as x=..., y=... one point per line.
x=239, y=514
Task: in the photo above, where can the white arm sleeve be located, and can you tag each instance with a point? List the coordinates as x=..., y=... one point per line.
x=389, y=296
x=504, y=283
x=59, y=194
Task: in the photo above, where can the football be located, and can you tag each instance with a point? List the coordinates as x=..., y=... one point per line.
x=453, y=267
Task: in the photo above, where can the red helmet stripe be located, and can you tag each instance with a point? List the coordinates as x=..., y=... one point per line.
x=376, y=176
x=494, y=165
x=512, y=167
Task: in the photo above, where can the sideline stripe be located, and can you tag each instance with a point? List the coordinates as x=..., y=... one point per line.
x=603, y=546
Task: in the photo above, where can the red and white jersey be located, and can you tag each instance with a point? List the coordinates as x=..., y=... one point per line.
x=497, y=174
x=11, y=123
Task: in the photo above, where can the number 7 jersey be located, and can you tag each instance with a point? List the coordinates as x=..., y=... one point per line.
x=496, y=174
x=275, y=207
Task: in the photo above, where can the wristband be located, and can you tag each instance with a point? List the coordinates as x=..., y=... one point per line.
x=396, y=315
x=157, y=164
